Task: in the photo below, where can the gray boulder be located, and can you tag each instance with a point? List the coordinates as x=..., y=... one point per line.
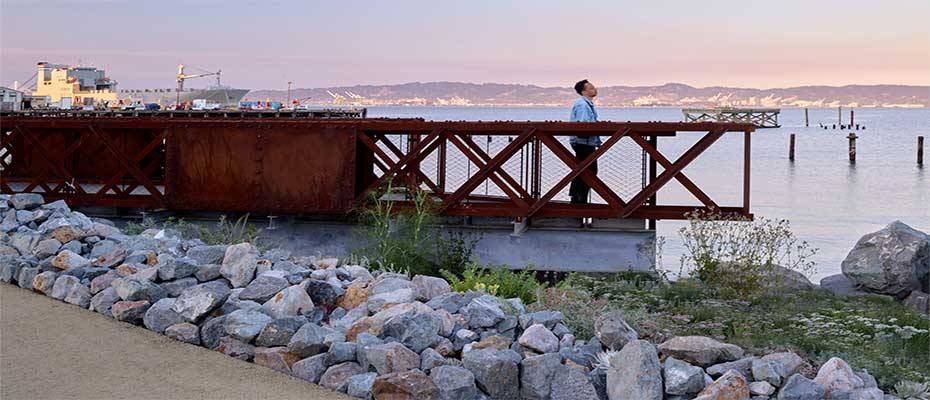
x=341, y=352
x=176, y=287
x=700, y=350
x=430, y=359
x=161, y=315
x=495, y=372
x=78, y=295
x=211, y=331
x=613, y=331
x=337, y=377
x=207, y=254
x=63, y=286
x=483, y=312
x=360, y=385
x=26, y=276
x=279, y=331
x=416, y=331
x=245, y=325
x=428, y=287
x=197, y=301
x=323, y=293
x=184, y=332
x=309, y=340
x=134, y=289
x=208, y=272
x=9, y=269
x=310, y=369
x=572, y=384
x=391, y=357
x=289, y=302
x=743, y=366
x=919, y=301
x=103, y=301
x=682, y=378
x=537, y=374
x=894, y=260
x=549, y=319
x=539, y=339
x=236, y=348
x=451, y=302
x=776, y=367
x=635, y=373
x=263, y=288
x=26, y=201
x=836, y=375
x=454, y=383
x=130, y=311
x=170, y=268
x=44, y=282
x=797, y=387
x=239, y=264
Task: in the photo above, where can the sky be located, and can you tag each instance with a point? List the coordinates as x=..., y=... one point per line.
x=265, y=44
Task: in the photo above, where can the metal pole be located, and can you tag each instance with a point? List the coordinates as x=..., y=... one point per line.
x=288, y=93
x=920, y=150
x=840, y=114
x=852, y=118
x=806, y=120
x=852, y=147
x=791, y=148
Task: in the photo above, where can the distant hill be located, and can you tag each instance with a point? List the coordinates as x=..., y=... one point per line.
x=670, y=94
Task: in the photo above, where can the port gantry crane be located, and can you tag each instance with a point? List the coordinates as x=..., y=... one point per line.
x=181, y=77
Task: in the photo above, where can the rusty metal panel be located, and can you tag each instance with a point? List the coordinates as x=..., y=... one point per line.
x=261, y=168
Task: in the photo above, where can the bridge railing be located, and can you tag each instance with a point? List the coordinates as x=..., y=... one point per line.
x=316, y=166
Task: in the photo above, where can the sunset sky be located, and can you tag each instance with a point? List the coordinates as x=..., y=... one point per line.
x=263, y=44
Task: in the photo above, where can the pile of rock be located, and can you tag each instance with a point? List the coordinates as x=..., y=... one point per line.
x=894, y=261
x=381, y=336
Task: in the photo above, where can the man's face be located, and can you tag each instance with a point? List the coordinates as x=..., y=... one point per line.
x=589, y=90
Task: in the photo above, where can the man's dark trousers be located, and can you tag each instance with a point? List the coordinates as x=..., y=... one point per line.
x=579, y=189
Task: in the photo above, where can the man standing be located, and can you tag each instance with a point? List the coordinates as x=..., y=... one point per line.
x=583, y=111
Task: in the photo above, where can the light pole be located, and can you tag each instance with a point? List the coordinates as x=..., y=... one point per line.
x=288, y=93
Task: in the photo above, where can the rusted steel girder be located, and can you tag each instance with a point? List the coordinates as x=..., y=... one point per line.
x=330, y=166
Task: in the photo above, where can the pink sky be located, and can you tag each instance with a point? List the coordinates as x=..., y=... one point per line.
x=551, y=43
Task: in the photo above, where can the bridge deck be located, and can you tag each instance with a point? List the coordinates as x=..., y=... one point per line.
x=285, y=165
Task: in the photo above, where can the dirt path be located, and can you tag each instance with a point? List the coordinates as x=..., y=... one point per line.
x=53, y=350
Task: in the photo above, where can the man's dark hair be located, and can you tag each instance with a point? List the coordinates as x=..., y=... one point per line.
x=579, y=87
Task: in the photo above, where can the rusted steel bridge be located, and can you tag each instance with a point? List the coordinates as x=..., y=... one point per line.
x=330, y=166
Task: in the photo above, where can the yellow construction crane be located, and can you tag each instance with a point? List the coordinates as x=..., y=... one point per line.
x=181, y=77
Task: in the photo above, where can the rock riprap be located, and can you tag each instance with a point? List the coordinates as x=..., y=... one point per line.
x=389, y=336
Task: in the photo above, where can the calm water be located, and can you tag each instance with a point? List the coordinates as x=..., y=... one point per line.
x=829, y=202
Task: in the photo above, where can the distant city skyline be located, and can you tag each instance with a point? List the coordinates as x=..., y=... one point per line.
x=263, y=45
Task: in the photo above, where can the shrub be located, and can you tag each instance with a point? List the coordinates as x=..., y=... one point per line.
x=740, y=258
x=407, y=238
x=579, y=310
x=498, y=281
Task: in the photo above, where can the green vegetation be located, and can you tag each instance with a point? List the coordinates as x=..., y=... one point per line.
x=224, y=231
x=741, y=258
x=499, y=281
x=734, y=291
x=407, y=238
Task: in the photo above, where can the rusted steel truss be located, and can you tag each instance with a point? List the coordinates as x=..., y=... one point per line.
x=305, y=166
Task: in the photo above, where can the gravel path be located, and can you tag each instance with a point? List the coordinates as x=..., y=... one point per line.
x=53, y=350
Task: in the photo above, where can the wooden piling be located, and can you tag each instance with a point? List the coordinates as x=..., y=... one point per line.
x=806, y=120
x=840, y=115
x=920, y=150
x=852, y=117
x=852, y=147
x=791, y=148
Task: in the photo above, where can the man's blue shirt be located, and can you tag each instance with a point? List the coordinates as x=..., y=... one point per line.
x=583, y=111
